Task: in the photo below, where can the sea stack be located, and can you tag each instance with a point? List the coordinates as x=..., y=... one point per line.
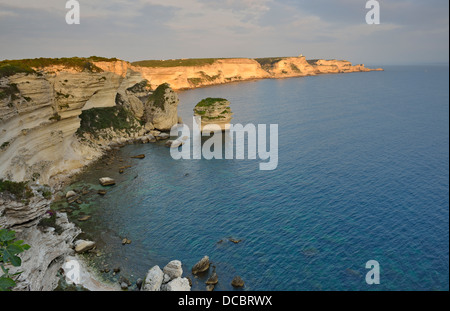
x=214, y=111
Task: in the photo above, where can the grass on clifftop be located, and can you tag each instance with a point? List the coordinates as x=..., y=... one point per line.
x=11, y=67
x=208, y=102
x=176, y=62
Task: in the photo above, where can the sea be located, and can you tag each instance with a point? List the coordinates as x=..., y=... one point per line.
x=362, y=176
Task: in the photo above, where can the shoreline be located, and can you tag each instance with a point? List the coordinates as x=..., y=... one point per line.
x=62, y=180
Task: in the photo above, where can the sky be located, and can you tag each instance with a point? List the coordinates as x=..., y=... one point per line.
x=410, y=32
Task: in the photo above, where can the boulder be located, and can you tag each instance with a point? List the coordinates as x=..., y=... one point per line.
x=237, y=282
x=139, y=156
x=153, y=280
x=177, y=285
x=173, y=269
x=213, y=279
x=163, y=136
x=70, y=194
x=106, y=181
x=174, y=143
x=82, y=246
x=201, y=266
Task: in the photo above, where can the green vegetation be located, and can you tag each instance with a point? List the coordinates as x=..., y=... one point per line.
x=195, y=81
x=208, y=77
x=20, y=190
x=45, y=191
x=4, y=145
x=49, y=221
x=28, y=66
x=208, y=102
x=96, y=119
x=9, y=91
x=158, y=96
x=268, y=62
x=312, y=62
x=9, y=249
x=55, y=117
x=294, y=68
x=176, y=62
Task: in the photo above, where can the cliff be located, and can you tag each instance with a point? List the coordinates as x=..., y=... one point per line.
x=56, y=119
x=41, y=102
x=192, y=73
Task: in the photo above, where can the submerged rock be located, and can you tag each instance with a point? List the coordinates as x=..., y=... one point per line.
x=126, y=241
x=237, y=282
x=140, y=156
x=201, y=266
x=213, y=279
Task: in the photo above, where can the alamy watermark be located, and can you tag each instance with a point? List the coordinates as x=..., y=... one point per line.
x=73, y=15
x=72, y=271
x=373, y=276
x=228, y=144
x=373, y=15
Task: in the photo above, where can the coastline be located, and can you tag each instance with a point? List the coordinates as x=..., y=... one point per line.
x=62, y=180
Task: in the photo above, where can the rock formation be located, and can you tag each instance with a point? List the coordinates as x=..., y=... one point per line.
x=57, y=119
x=201, y=266
x=161, y=108
x=214, y=111
x=168, y=279
x=219, y=71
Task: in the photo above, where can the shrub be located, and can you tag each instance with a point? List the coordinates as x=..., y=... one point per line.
x=9, y=249
x=96, y=119
x=158, y=96
x=20, y=190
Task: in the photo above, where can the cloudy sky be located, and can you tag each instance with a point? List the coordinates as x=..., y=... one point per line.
x=411, y=31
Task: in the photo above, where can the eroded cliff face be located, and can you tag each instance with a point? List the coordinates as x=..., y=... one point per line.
x=40, y=118
x=241, y=69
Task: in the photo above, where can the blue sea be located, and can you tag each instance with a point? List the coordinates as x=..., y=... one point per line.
x=363, y=174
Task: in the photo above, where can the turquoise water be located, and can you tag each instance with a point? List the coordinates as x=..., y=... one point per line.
x=363, y=175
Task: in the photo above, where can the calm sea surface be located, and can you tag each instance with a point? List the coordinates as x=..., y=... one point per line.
x=363, y=175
